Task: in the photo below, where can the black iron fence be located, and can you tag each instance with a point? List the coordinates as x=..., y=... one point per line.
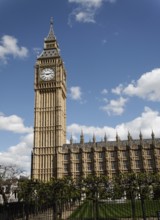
x=83, y=210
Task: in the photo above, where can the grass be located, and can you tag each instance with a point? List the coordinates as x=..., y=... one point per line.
x=115, y=210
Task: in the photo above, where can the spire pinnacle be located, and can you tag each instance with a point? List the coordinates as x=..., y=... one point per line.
x=117, y=137
x=105, y=138
x=152, y=135
x=81, y=138
x=129, y=136
x=51, y=32
x=51, y=21
x=94, y=138
x=71, y=139
x=140, y=136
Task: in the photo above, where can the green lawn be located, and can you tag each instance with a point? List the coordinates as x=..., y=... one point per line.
x=115, y=210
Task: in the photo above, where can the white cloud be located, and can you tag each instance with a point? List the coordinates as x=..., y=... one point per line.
x=87, y=3
x=75, y=93
x=9, y=47
x=86, y=10
x=13, y=123
x=149, y=120
x=85, y=16
x=146, y=87
x=76, y=129
x=118, y=89
x=115, y=107
x=104, y=91
x=20, y=154
x=74, y=139
x=37, y=50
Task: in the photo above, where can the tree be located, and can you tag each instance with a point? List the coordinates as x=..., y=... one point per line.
x=96, y=187
x=126, y=184
x=9, y=175
x=61, y=192
x=27, y=193
x=144, y=181
x=156, y=186
x=135, y=186
x=118, y=189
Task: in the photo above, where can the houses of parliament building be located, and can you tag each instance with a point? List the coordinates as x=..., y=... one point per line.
x=52, y=157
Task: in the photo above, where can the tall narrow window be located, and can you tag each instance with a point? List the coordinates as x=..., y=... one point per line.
x=89, y=166
x=101, y=166
x=66, y=157
x=113, y=165
x=78, y=167
x=66, y=167
x=78, y=156
x=101, y=155
x=138, y=164
x=89, y=156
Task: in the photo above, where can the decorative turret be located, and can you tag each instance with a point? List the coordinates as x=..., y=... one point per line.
x=71, y=140
x=141, y=138
x=94, y=138
x=81, y=138
x=129, y=136
x=153, y=137
x=117, y=137
x=105, y=138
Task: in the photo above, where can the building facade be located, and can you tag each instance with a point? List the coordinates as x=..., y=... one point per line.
x=52, y=157
x=111, y=157
x=49, y=111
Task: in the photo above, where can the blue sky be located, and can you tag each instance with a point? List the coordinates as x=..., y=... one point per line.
x=111, y=51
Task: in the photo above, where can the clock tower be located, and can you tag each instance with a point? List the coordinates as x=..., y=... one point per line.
x=49, y=111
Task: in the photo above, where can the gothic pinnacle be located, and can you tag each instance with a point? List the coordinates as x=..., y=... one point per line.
x=51, y=32
x=51, y=21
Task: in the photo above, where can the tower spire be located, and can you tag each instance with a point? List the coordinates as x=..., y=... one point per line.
x=51, y=35
x=51, y=21
x=51, y=47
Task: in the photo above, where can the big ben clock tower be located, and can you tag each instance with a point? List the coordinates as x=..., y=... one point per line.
x=49, y=111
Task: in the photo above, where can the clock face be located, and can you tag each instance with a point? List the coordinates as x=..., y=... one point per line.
x=47, y=74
